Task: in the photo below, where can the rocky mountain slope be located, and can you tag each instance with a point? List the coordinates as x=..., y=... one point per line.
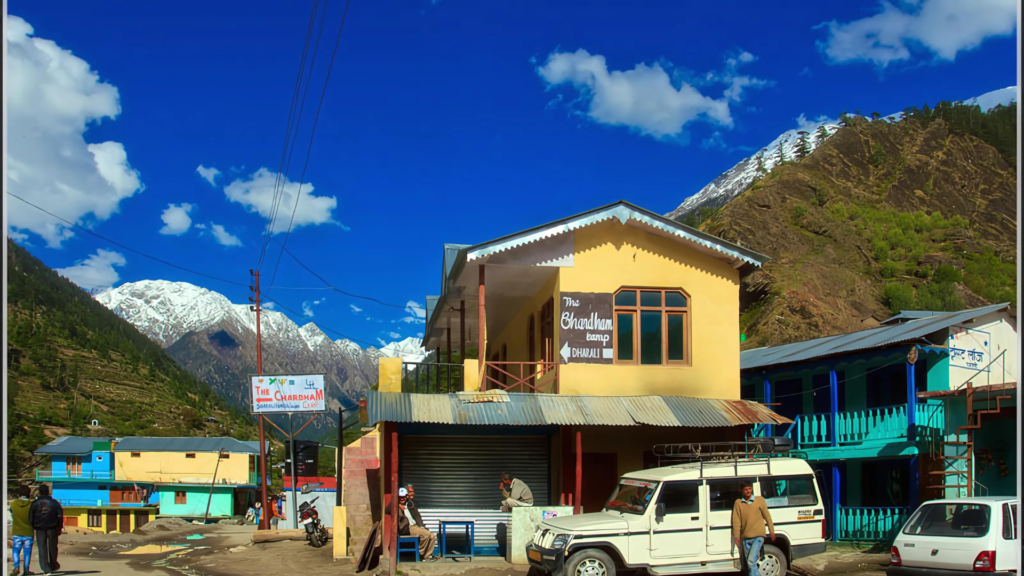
x=885, y=214
x=737, y=179
x=76, y=368
x=215, y=340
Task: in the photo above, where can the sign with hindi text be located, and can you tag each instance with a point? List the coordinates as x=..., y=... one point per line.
x=969, y=348
x=272, y=394
x=586, y=327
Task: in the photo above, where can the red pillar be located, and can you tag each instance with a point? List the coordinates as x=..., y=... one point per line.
x=481, y=315
x=579, y=472
x=393, y=551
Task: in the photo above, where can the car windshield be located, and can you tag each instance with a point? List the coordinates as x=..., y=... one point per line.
x=952, y=520
x=631, y=496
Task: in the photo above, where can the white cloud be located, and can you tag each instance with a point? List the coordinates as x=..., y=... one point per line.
x=802, y=123
x=224, y=238
x=256, y=194
x=95, y=272
x=419, y=334
x=382, y=342
x=200, y=226
x=394, y=335
x=417, y=314
x=307, y=310
x=269, y=305
x=176, y=219
x=208, y=174
x=355, y=309
x=53, y=97
x=643, y=99
x=713, y=141
x=942, y=28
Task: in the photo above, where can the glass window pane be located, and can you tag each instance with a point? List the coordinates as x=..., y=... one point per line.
x=650, y=337
x=722, y=494
x=626, y=298
x=680, y=498
x=781, y=491
x=648, y=298
x=675, y=300
x=675, y=337
x=625, y=336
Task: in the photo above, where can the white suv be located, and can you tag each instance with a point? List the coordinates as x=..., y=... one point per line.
x=950, y=537
x=677, y=520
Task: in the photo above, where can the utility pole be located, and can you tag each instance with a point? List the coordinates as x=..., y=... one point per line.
x=255, y=299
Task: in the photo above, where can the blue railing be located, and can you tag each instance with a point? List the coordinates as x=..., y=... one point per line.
x=871, y=524
x=82, y=502
x=860, y=426
x=48, y=475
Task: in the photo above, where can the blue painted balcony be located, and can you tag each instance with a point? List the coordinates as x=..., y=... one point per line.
x=858, y=524
x=862, y=433
x=69, y=476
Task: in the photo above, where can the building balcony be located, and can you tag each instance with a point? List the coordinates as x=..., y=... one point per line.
x=446, y=378
x=69, y=476
x=816, y=434
x=869, y=524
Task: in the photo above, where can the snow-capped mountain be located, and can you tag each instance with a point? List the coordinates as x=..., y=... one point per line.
x=735, y=180
x=215, y=339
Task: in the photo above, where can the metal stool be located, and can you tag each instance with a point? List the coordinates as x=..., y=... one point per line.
x=409, y=544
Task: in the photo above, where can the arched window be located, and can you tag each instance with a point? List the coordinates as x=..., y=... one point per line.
x=652, y=326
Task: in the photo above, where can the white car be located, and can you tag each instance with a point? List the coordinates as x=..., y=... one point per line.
x=953, y=536
x=677, y=520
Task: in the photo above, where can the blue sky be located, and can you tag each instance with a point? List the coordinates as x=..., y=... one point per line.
x=444, y=121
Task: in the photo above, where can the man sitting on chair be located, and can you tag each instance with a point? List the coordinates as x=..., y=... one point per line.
x=515, y=492
x=415, y=522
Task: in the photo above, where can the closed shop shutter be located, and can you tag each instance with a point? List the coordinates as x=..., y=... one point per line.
x=464, y=471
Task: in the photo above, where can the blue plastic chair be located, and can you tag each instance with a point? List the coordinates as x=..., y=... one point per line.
x=409, y=544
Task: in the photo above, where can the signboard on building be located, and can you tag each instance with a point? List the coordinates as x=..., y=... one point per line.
x=969, y=348
x=586, y=327
x=272, y=394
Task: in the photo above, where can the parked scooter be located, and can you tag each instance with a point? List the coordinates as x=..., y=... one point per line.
x=316, y=532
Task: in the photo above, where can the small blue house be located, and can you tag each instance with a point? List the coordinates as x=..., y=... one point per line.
x=897, y=414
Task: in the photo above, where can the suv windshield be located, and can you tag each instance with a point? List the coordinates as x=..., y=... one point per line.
x=952, y=520
x=631, y=496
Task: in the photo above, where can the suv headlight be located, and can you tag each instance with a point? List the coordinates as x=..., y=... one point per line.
x=561, y=541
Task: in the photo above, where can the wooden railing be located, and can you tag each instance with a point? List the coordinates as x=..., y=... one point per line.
x=869, y=524
x=431, y=377
x=520, y=377
x=48, y=475
x=860, y=426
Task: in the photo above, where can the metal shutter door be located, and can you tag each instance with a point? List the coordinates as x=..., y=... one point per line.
x=464, y=471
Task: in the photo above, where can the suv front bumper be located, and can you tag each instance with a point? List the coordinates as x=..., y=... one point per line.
x=550, y=561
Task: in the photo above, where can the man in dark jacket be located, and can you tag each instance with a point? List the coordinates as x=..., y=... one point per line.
x=47, y=519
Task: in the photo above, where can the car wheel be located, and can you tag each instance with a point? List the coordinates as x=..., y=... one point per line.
x=773, y=562
x=590, y=563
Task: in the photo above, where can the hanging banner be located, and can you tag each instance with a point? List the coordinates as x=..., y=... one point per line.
x=272, y=394
x=586, y=328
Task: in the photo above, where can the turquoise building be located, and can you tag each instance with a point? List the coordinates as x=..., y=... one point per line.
x=915, y=409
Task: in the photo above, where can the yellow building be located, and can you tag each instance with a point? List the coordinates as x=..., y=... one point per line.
x=563, y=354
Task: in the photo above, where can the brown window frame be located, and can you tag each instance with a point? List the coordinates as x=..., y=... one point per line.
x=180, y=497
x=94, y=519
x=136, y=454
x=190, y=455
x=666, y=311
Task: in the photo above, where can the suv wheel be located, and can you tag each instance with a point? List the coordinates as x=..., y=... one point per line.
x=773, y=562
x=590, y=563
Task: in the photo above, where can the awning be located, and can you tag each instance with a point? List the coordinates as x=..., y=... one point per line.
x=519, y=409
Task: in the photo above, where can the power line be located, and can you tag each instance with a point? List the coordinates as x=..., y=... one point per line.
x=278, y=185
x=843, y=381
x=321, y=326
x=331, y=287
x=122, y=246
x=309, y=147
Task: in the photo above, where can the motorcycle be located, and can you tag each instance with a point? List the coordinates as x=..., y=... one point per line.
x=316, y=532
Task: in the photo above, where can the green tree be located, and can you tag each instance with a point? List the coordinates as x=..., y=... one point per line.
x=781, y=155
x=803, y=146
x=821, y=134
x=898, y=296
x=760, y=164
x=875, y=115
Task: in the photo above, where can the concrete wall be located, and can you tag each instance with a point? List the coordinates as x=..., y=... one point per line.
x=99, y=462
x=991, y=335
x=80, y=492
x=362, y=487
x=222, y=505
x=79, y=516
x=176, y=467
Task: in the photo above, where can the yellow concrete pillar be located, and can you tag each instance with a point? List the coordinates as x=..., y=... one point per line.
x=340, y=532
x=389, y=375
x=471, y=375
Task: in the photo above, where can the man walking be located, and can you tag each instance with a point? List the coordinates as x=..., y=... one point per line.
x=515, y=493
x=749, y=515
x=21, y=530
x=47, y=519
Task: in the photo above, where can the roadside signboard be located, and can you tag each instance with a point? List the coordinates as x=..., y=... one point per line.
x=283, y=393
x=586, y=327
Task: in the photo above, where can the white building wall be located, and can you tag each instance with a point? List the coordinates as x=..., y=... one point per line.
x=983, y=352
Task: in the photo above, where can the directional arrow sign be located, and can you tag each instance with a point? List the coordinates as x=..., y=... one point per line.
x=586, y=327
x=565, y=351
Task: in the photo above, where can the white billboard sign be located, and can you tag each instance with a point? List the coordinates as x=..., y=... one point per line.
x=272, y=394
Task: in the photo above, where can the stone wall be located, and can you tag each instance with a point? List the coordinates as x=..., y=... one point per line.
x=361, y=490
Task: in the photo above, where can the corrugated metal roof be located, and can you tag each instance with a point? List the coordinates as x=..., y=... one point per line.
x=905, y=315
x=501, y=408
x=862, y=340
x=75, y=445
x=156, y=444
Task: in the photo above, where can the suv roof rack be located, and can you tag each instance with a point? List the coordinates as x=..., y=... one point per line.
x=754, y=448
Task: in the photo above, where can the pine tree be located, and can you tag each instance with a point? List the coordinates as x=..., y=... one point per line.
x=781, y=155
x=803, y=147
x=760, y=163
x=844, y=119
x=821, y=134
x=875, y=115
